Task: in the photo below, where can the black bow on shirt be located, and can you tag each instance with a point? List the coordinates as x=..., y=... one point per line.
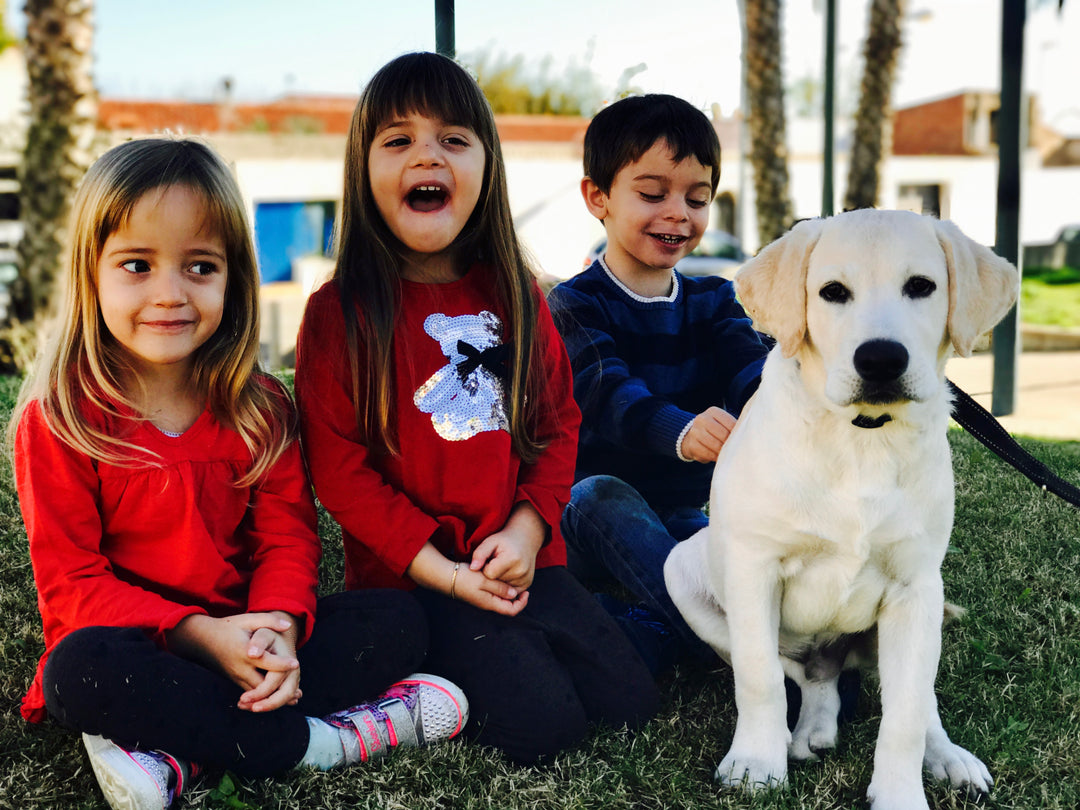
x=493, y=359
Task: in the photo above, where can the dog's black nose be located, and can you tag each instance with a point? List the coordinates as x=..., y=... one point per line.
x=881, y=360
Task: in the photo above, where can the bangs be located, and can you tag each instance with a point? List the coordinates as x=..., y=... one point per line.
x=138, y=168
x=701, y=143
x=421, y=83
x=684, y=138
x=621, y=133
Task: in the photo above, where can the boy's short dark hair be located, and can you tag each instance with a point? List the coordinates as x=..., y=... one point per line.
x=624, y=131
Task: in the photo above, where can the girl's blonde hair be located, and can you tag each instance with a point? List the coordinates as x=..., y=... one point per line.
x=82, y=365
x=369, y=255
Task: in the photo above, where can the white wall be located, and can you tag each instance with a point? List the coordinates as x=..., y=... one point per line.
x=1050, y=198
x=296, y=179
x=549, y=213
x=556, y=227
x=13, y=102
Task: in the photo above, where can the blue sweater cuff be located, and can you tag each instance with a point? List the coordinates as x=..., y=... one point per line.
x=665, y=428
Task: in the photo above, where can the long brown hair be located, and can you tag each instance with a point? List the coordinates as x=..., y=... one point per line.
x=82, y=363
x=369, y=255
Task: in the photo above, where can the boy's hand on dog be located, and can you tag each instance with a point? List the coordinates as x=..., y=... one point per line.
x=707, y=434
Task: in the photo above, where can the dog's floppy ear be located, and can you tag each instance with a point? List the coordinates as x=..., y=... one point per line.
x=772, y=285
x=982, y=286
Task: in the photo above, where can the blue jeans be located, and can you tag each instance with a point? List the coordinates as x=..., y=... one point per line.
x=611, y=533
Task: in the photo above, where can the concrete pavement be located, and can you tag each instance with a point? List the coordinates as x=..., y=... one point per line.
x=1047, y=397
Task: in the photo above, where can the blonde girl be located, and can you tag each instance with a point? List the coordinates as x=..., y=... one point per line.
x=170, y=519
x=438, y=419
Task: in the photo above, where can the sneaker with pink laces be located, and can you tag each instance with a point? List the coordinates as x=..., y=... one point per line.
x=135, y=780
x=417, y=710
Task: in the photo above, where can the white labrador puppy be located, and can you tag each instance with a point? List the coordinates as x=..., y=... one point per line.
x=832, y=501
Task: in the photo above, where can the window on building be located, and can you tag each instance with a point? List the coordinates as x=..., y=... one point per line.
x=9, y=206
x=9, y=193
x=725, y=211
x=922, y=199
x=286, y=231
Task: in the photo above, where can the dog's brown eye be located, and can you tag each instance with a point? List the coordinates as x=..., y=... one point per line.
x=919, y=287
x=835, y=293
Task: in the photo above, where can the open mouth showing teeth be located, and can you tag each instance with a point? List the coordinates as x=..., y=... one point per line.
x=426, y=198
x=668, y=239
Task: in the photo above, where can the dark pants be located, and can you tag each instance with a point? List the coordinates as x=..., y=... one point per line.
x=116, y=682
x=536, y=680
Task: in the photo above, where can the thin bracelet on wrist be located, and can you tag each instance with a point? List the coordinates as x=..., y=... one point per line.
x=453, y=580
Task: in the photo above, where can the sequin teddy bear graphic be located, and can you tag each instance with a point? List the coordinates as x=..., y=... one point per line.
x=465, y=397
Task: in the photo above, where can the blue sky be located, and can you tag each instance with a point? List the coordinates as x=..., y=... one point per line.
x=690, y=47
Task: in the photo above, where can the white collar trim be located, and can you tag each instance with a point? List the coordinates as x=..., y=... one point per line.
x=655, y=299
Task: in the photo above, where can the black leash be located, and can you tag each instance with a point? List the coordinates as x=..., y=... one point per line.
x=981, y=424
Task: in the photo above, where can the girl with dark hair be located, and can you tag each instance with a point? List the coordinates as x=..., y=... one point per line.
x=439, y=423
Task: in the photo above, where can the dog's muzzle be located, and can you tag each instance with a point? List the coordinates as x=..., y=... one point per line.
x=880, y=365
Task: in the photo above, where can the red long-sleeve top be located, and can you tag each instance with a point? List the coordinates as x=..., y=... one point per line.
x=149, y=545
x=457, y=476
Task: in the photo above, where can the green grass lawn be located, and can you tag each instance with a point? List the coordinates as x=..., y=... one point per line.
x=1051, y=297
x=1009, y=690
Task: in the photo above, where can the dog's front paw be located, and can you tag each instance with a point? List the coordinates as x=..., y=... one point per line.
x=752, y=770
x=910, y=797
x=947, y=761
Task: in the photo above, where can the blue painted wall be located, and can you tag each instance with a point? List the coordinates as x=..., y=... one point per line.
x=287, y=230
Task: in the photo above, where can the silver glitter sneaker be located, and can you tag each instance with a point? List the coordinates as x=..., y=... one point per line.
x=417, y=710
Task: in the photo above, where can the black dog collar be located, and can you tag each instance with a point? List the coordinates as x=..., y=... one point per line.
x=864, y=421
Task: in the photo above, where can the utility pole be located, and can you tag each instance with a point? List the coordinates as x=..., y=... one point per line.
x=1011, y=138
x=444, y=28
x=829, y=112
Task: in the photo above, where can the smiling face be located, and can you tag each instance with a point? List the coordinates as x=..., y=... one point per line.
x=426, y=176
x=654, y=215
x=161, y=280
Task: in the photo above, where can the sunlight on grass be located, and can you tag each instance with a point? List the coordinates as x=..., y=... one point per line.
x=1051, y=298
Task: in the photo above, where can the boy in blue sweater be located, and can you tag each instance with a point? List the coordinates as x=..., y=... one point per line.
x=662, y=363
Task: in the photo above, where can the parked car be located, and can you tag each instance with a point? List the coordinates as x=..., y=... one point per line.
x=1064, y=251
x=717, y=254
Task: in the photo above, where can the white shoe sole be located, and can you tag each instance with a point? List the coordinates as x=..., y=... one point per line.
x=125, y=784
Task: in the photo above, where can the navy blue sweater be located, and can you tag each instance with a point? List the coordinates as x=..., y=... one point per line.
x=645, y=367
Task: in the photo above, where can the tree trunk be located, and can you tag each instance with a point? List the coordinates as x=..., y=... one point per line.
x=765, y=95
x=63, y=108
x=872, y=138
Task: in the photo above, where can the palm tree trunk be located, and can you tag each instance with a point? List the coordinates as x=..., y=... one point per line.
x=766, y=121
x=872, y=138
x=63, y=107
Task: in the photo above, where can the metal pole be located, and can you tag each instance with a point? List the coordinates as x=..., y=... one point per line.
x=829, y=111
x=444, y=28
x=744, y=205
x=1012, y=134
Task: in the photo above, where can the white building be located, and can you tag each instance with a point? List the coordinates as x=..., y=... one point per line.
x=288, y=158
